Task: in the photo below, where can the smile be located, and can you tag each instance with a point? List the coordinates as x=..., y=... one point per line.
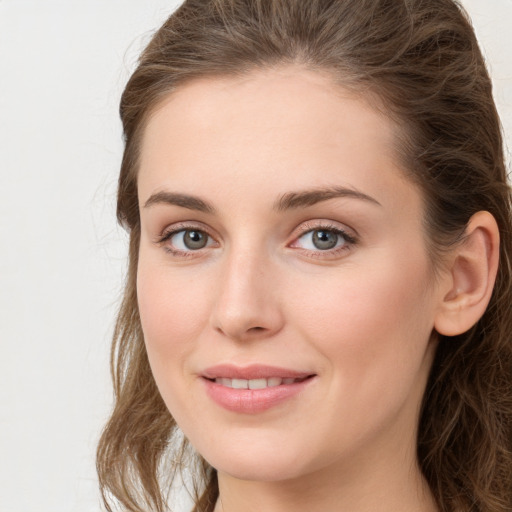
x=253, y=389
x=256, y=383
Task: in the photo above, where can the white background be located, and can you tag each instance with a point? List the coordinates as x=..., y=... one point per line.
x=63, y=64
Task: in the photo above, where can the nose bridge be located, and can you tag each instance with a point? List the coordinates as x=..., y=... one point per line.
x=246, y=305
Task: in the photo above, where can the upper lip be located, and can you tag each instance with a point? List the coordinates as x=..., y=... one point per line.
x=253, y=371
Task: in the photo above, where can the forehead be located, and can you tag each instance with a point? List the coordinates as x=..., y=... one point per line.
x=273, y=129
x=300, y=101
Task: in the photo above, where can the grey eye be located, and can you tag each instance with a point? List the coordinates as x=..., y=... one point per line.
x=189, y=240
x=324, y=240
x=194, y=240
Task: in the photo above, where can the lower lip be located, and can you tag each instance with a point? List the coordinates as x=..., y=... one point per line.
x=253, y=401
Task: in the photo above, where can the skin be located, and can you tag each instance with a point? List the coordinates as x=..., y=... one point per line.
x=360, y=316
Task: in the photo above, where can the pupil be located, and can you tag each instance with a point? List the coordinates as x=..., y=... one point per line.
x=194, y=239
x=325, y=239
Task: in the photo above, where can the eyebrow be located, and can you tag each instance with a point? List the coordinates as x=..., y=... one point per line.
x=183, y=200
x=288, y=201
x=292, y=200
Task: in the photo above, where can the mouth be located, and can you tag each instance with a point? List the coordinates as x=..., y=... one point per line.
x=262, y=383
x=254, y=372
x=254, y=389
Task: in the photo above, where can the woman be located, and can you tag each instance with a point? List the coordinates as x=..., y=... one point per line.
x=319, y=286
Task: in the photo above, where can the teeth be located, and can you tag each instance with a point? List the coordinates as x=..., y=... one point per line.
x=254, y=383
x=257, y=383
x=239, y=383
x=274, y=381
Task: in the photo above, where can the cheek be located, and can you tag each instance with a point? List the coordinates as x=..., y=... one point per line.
x=372, y=326
x=173, y=310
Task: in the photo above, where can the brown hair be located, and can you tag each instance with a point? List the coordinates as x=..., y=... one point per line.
x=421, y=59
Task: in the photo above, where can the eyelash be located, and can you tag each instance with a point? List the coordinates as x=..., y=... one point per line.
x=307, y=228
x=168, y=234
x=349, y=240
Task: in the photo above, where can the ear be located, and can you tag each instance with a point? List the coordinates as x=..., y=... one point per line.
x=469, y=280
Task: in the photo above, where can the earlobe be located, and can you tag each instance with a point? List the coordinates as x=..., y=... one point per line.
x=470, y=277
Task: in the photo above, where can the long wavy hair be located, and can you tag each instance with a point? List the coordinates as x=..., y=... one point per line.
x=420, y=58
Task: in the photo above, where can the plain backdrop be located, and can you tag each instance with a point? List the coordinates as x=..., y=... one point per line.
x=63, y=64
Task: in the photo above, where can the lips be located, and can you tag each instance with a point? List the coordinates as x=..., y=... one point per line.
x=253, y=389
x=255, y=383
x=255, y=371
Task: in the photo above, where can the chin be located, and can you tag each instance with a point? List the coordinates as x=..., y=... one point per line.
x=258, y=461
x=258, y=471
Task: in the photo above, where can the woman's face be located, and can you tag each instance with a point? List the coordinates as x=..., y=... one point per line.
x=285, y=291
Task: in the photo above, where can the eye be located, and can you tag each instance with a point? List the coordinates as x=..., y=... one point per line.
x=184, y=241
x=324, y=239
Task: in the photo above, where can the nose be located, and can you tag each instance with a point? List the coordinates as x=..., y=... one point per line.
x=246, y=306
